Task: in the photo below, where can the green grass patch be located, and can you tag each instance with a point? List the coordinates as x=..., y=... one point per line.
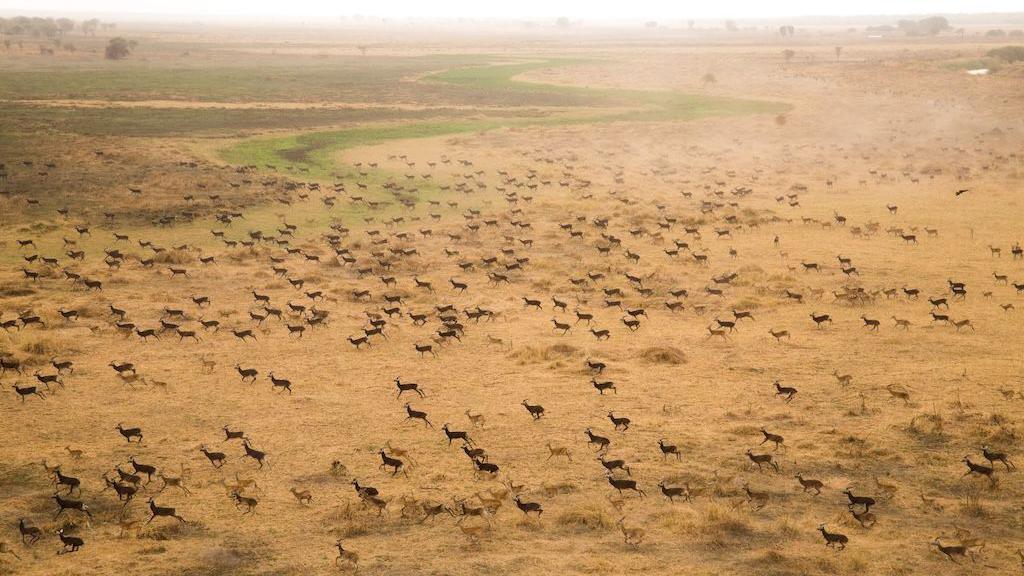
x=314, y=152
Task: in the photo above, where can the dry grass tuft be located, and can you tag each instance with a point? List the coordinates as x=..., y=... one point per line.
x=663, y=355
x=537, y=354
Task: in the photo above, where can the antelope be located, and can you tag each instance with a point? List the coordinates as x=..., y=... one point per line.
x=787, y=392
x=994, y=457
x=558, y=451
x=408, y=386
x=216, y=458
x=866, y=519
x=70, y=542
x=898, y=393
x=675, y=492
x=208, y=365
x=125, y=492
x=247, y=373
x=476, y=419
x=980, y=470
x=761, y=460
x=596, y=367
x=901, y=323
x=820, y=319
x=601, y=334
x=779, y=335
x=871, y=324
x=757, y=500
x=259, y=456
x=887, y=488
x=712, y=332
x=129, y=433
x=565, y=328
x=483, y=467
x=602, y=386
x=667, y=449
x=833, y=538
x=952, y=550
x=528, y=507
x=416, y=415
x=625, y=484
x=965, y=323
x=536, y=410
x=842, y=379
x=810, y=484
x=622, y=422
x=24, y=392
x=140, y=468
x=612, y=465
x=774, y=438
x=601, y=442
x=32, y=533
x=63, y=505
x=866, y=501
x=422, y=349
x=347, y=556
x=174, y=481
x=248, y=502
x=281, y=383
x=632, y=536
x=456, y=435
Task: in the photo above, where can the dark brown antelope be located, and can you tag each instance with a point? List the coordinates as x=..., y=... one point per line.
x=216, y=458
x=536, y=410
x=994, y=457
x=833, y=538
x=866, y=501
x=820, y=319
x=258, y=455
x=129, y=433
x=417, y=415
x=787, y=393
x=980, y=470
x=601, y=442
x=621, y=484
x=762, y=459
x=281, y=383
x=408, y=387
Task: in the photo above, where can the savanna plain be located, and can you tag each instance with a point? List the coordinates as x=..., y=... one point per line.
x=543, y=301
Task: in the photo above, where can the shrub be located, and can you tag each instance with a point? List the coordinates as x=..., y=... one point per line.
x=1009, y=54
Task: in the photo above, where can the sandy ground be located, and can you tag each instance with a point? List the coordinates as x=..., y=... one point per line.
x=864, y=133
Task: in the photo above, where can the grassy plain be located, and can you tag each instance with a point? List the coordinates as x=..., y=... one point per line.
x=418, y=146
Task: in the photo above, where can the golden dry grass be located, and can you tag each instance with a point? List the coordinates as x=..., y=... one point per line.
x=872, y=123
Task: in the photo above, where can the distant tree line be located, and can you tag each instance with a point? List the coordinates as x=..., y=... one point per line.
x=50, y=27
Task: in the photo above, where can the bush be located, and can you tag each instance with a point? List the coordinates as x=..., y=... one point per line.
x=1009, y=54
x=117, y=49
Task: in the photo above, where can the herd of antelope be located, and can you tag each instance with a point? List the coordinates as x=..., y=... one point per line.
x=425, y=274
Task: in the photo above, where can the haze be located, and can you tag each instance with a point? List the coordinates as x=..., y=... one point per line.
x=637, y=10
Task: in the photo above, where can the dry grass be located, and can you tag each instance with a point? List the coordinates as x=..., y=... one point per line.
x=886, y=113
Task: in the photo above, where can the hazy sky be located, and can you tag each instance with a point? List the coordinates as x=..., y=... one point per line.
x=585, y=9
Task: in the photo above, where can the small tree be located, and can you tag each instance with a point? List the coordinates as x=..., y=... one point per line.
x=839, y=52
x=562, y=22
x=708, y=79
x=788, y=54
x=89, y=26
x=117, y=49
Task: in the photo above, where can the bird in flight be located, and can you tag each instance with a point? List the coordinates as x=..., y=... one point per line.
x=962, y=190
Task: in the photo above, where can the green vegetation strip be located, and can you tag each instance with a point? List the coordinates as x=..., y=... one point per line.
x=313, y=152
